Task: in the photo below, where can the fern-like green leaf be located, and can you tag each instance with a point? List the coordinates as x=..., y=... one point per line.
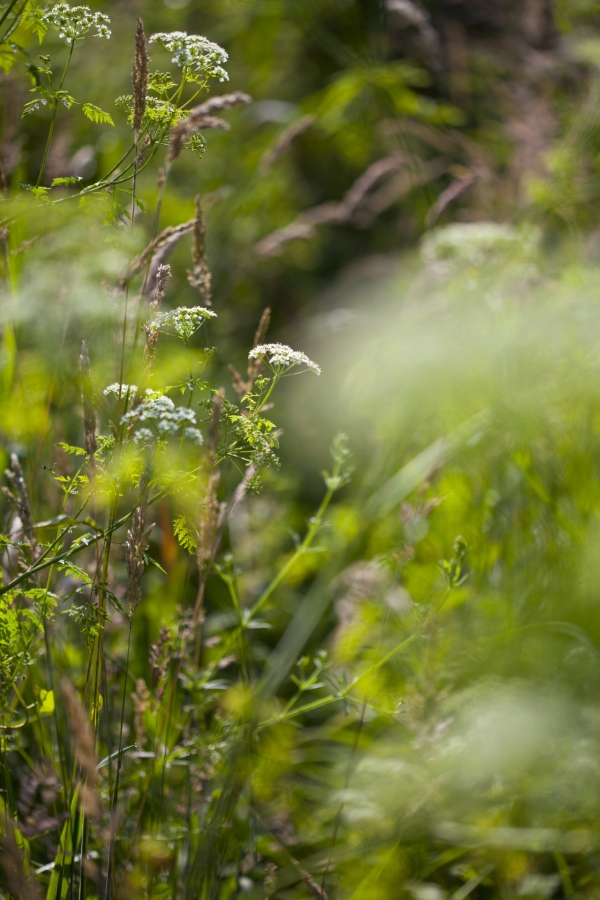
x=70, y=179
x=33, y=19
x=184, y=532
x=97, y=115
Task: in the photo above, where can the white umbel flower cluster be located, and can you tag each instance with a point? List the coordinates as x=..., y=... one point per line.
x=125, y=390
x=185, y=320
x=160, y=418
x=75, y=22
x=194, y=52
x=280, y=356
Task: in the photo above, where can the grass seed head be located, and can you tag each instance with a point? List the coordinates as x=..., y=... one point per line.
x=139, y=78
x=20, y=884
x=84, y=750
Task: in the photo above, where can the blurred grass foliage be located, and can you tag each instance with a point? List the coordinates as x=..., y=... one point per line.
x=219, y=677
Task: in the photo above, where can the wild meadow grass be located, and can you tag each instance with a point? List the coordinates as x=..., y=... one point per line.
x=208, y=690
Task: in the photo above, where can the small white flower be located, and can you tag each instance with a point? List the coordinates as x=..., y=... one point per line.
x=194, y=52
x=160, y=418
x=75, y=22
x=280, y=356
x=195, y=435
x=126, y=390
x=185, y=320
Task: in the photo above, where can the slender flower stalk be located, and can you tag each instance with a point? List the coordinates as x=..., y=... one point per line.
x=87, y=399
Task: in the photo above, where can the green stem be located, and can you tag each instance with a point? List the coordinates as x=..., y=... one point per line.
x=6, y=14
x=14, y=24
x=262, y=403
x=54, y=112
x=308, y=539
x=341, y=695
x=115, y=796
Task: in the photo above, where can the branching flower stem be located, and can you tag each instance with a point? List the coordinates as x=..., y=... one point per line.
x=345, y=692
x=54, y=112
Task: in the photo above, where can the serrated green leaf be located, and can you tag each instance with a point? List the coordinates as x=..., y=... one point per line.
x=71, y=179
x=184, y=532
x=75, y=571
x=97, y=115
x=33, y=20
x=69, y=448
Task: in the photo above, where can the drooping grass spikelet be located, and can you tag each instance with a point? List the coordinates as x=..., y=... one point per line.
x=84, y=750
x=154, y=255
x=16, y=478
x=201, y=118
x=139, y=78
x=87, y=399
x=200, y=277
x=286, y=139
x=20, y=884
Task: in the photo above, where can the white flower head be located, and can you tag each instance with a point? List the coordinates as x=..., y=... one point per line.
x=126, y=390
x=194, y=52
x=185, y=320
x=280, y=356
x=76, y=22
x=160, y=418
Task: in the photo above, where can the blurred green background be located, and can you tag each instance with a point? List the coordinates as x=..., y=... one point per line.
x=436, y=166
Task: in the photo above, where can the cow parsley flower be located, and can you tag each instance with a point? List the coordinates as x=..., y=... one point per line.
x=126, y=390
x=75, y=22
x=194, y=52
x=185, y=320
x=160, y=418
x=280, y=357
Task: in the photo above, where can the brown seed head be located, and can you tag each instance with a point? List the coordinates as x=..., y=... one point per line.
x=160, y=655
x=16, y=478
x=84, y=749
x=20, y=884
x=139, y=77
x=200, y=277
x=209, y=522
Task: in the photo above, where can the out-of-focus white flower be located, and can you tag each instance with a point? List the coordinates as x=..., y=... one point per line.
x=160, y=418
x=194, y=52
x=126, y=390
x=280, y=356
